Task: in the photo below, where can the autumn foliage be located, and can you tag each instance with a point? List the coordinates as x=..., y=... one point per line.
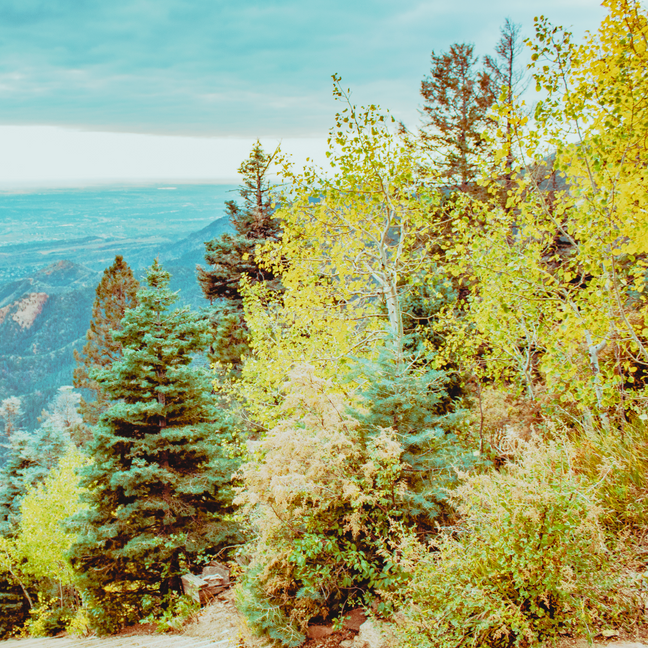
x=429, y=395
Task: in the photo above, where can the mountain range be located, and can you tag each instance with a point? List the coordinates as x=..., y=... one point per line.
x=44, y=315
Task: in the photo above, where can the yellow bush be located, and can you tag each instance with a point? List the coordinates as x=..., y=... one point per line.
x=528, y=562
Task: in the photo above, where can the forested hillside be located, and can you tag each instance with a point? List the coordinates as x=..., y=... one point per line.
x=43, y=319
x=426, y=394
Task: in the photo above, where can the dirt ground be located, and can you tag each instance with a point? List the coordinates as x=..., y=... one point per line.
x=219, y=625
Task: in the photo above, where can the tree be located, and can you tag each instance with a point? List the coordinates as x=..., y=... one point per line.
x=116, y=293
x=572, y=324
x=412, y=400
x=32, y=454
x=350, y=244
x=457, y=99
x=159, y=482
x=255, y=219
x=10, y=413
x=232, y=257
x=508, y=80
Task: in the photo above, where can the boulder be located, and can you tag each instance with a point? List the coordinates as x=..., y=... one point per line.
x=354, y=619
x=370, y=636
x=217, y=578
x=319, y=631
x=192, y=586
x=213, y=580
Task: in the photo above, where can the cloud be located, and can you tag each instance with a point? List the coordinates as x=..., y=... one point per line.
x=216, y=67
x=48, y=155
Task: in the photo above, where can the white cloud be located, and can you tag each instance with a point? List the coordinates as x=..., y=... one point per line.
x=50, y=155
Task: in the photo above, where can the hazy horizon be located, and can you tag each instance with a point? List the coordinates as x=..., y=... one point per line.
x=179, y=90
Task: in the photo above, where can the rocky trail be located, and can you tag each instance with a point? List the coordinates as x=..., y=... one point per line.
x=130, y=641
x=219, y=625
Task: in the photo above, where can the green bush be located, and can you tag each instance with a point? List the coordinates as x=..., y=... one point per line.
x=48, y=618
x=171, y=613
x=528, y=563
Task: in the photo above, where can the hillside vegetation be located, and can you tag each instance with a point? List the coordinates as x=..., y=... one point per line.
x=427, y=385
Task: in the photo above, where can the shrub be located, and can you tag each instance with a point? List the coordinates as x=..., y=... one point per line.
x=322, y=494
x=48, y=618
x=41, y=583
x=617, y=462
x=529, y=562
x=170, y=614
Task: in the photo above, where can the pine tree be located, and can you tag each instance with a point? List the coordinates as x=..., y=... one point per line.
x=116, y=293
x=159, y=484
x=254, y=219
x=457, y=99
x=231, y=257
x=508, y=80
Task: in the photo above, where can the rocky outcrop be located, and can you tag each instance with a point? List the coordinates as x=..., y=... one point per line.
x=43, y=318
x=213, y=580
x=25, y=311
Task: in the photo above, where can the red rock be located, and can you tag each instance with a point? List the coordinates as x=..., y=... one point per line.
x=319, y=631
x=354, y=619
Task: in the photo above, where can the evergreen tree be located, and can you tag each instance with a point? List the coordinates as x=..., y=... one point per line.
x=116, y=293
x=231, y=257
x=412, y=399
x=10, y=414
x=159, y=484
x=457, y=99
x=32, y=454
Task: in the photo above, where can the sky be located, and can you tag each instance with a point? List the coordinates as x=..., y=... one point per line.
x=96, y=90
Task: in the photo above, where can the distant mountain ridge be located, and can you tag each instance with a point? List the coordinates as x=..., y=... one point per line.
x=185, y=253
x=97, y=252
x=44, y=316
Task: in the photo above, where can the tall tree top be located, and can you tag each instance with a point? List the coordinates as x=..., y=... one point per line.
x=116, y=293
x=254, y=219
x=457, y=98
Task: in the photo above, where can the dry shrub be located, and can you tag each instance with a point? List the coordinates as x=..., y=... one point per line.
x=616, y=461
x=530, y=562
x=505, y=420
x=321, y=494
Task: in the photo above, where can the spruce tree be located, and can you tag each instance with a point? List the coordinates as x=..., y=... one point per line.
x=231, y=257
x=116, y=293
x=412, y=398
x=457, y=99
x=159, y=485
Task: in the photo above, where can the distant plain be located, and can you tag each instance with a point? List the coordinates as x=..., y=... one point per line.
x=90, y=225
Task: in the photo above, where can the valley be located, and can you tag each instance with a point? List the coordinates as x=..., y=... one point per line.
x=51, y=259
